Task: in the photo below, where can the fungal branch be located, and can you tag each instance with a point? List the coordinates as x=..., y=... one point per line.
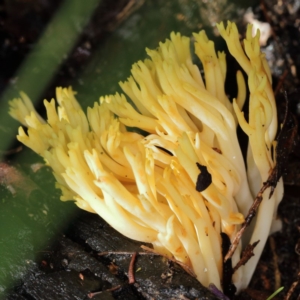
x=261, y=130
x=184, y=183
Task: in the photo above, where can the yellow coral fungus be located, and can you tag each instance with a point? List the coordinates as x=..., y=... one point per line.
x=144, y=185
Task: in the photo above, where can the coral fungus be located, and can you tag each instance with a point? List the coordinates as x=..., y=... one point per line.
x=144, y=185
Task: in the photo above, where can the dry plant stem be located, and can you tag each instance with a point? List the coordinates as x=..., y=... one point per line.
x=91, y=295
x=130, y=7
x=246, y=255
x=251, y=214
x=292, y=288
x=12, y=151
x=183, y=266
x=131, y=268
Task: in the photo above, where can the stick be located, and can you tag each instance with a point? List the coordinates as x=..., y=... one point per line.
x=91, y=295
x=131, y=268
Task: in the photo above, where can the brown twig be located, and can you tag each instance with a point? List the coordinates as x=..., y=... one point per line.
x=91, y=295
x=292, y=288
x=12, y=151
x=130, y=7
x=246, y=255
x=251, y=214
x=149, y=252
x=131, y=278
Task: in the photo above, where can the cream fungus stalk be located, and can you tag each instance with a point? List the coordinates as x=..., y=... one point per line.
x=144, y=186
